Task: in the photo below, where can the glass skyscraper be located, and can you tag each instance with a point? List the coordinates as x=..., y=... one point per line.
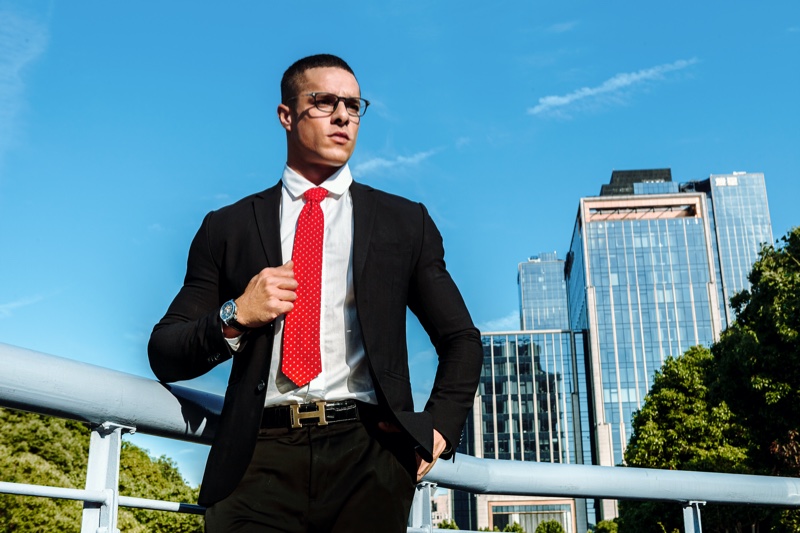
x=528, y=408
x=651, y=266
x=740, y=225
x=542, y=293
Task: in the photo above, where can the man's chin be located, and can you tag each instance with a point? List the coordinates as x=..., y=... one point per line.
x=336, y=158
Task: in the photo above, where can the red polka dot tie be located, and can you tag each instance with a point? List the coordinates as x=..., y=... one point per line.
x=301, y=354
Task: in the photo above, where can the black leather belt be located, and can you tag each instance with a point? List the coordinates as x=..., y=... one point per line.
x=309, y=414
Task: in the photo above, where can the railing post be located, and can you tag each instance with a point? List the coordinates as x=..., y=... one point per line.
x=691, y=517
x=102, y=474
x=421, y=515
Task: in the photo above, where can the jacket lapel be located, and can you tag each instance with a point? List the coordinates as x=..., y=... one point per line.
x=267, y=210
x=363, y=220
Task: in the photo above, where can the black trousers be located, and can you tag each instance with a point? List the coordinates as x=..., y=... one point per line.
x=348, y=477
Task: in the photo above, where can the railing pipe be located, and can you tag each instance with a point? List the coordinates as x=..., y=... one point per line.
x=41, y=383
x=160, y=505
x=47, y=384
x=490, y=476
x=96, y=496
x=25, y=489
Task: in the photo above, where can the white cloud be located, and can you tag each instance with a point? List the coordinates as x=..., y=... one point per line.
x=510, y=322
x=22, y=40
x=379, y=163
x=6, y=310
x=562, y=27
x=611, y=87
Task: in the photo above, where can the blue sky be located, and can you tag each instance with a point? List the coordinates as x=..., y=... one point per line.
x=122, y=124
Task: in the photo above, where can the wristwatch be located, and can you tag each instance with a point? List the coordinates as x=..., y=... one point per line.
x=227, y=313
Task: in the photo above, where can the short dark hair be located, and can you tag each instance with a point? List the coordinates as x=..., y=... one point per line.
x=292, y=78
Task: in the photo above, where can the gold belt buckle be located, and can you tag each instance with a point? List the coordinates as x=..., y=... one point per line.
x=297, y=416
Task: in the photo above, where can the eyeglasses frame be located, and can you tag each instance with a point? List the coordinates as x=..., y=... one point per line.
x=336, y=105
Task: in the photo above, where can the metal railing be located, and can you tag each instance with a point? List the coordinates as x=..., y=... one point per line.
x=114, y=403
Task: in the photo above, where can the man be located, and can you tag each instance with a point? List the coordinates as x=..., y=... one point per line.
x=318, y=430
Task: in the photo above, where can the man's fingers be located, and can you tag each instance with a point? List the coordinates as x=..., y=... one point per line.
x=286, y=283
x=286, y=296
x=286, y=269
x=423, y=467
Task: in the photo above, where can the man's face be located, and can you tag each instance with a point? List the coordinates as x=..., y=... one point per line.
x=319, y=143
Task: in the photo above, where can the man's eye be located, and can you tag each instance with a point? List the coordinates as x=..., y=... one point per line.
x=327, y=100
x=353, y=104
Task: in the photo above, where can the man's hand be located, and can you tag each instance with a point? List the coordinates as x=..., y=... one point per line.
x=268, y=295
x=439, y=446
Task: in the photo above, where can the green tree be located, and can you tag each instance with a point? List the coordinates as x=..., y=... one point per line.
x=51, y=451
x=514, y=528
x=550, y=526
x=758, y=361
x=759, y=356
x=607, y=526
x=447, y=524
x=680, y=427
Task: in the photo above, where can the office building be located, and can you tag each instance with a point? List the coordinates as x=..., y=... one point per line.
x=542, y=293
x=740, y=225
x=650, y=269
x=528, y=408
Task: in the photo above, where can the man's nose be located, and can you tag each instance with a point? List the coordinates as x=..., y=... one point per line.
x=340, y=114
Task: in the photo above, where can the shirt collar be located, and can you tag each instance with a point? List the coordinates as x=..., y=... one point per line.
x=297, y=185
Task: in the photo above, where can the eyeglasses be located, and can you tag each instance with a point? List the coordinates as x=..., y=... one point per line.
x=328, y=102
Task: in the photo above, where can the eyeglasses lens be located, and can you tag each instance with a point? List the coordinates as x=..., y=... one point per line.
x=327, y=103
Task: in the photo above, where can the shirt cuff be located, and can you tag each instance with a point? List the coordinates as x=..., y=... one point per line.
x=235, y=343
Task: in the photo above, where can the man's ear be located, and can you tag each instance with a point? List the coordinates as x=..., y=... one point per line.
x=285, y=116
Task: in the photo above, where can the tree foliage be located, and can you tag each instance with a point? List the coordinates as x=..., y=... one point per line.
x=550, y=526
x=42, y=450
x=447, y=524
x=759, y=358
x=514, y=528
x=679, y=427
x=606, y=526
x=758, y=367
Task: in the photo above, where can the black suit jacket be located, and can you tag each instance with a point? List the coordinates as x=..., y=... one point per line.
x=398, y=262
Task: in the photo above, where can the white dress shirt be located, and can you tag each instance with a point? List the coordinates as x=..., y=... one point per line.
x=345, y=372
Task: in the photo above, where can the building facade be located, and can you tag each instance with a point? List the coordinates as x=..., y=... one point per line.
x=740, y=225
x=528, y=408
x=651, y=266
x=542, y=293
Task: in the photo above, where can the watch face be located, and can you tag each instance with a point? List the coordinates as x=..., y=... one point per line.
x=227, y=311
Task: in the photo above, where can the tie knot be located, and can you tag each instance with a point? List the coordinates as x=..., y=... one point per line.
x=317, y=194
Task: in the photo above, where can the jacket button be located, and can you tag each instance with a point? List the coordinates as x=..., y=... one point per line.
x=261, y=386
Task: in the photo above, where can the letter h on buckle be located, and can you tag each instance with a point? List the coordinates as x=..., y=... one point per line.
x=318, y=415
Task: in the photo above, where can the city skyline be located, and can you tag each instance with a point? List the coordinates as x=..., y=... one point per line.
x=649, y=271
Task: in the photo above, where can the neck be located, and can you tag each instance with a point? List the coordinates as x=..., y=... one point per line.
x=316, y=174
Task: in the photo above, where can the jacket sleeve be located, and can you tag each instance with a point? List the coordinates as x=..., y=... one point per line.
x=188, y=341
x=437, y=303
